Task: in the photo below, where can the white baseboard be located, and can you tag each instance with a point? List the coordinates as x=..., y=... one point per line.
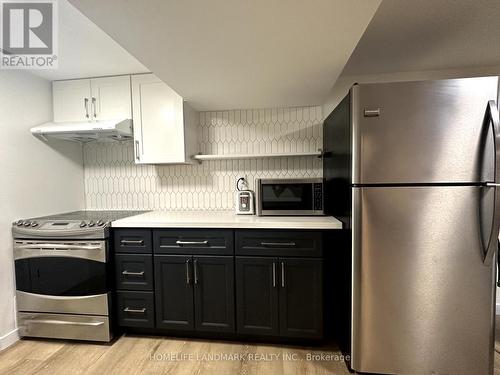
x=9, y=339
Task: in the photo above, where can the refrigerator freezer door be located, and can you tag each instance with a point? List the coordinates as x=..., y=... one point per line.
x=423, y=300
x=422, y=132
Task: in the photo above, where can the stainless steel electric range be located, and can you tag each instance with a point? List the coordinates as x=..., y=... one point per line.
x=63, y=287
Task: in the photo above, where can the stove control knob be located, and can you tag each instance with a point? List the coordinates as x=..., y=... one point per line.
x=100, y=223
x=91, y=224
x=83, y=224
x=27, y=223
x=34, y=224
x=19, y=223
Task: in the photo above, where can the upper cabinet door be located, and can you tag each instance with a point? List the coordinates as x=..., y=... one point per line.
x=111, y=98
x=71, y=100
x=163, y=128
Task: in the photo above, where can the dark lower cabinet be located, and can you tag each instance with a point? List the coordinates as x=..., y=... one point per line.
x=264, y=284
x=257, y=295
x=134, y=271
x=301, y=297
x=136, y=309
x=133, y=241
x=280, y=296
x=194, y=293
x=214, y=293
x=174, y=292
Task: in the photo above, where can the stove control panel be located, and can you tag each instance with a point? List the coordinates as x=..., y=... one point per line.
x=25, y=223
x=60, y=225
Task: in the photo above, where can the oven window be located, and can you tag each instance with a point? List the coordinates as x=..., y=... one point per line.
x=287, y=197
x=60, y=276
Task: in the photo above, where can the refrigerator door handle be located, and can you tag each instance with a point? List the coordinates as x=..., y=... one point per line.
x=491, y=116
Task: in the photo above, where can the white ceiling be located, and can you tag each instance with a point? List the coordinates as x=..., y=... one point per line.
x=428, y=35
x=87, y=51
x=221, y=54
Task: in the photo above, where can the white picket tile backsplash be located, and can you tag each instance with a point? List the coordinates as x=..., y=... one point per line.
x=113, y=181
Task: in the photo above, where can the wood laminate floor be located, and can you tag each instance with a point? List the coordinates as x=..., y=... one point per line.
x=160, y=355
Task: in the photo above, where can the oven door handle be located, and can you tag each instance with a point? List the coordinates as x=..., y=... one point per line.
x=95, y=251
x=56, y=246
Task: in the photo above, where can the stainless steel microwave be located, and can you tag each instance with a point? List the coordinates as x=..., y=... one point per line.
x=295, y=196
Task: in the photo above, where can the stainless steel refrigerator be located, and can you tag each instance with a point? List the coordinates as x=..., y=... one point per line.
x=411, y=169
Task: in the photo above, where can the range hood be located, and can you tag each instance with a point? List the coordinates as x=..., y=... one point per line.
x=108, y=130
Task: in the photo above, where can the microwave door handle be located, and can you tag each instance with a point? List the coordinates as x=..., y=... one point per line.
x=491, y=117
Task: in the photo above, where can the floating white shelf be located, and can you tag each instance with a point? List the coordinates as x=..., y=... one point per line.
x=202, y=157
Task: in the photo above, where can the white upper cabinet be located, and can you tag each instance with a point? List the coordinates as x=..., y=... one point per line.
x=71, y=100
x=111, y=98
x=164, y=125
x=93, y=99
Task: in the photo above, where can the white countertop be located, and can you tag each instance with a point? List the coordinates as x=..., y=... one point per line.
x=224, y=219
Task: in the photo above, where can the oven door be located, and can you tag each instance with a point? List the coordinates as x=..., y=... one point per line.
x=62, y=276
x=290, y=197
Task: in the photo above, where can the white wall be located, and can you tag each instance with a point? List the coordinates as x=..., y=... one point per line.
x=36, y=178
x=343, y=84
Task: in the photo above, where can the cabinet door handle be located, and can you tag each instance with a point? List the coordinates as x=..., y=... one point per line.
x=130, y=273
x=132, y=242
x=282, y=274
x=138, y=311
x=94, y=106
x=137, y=156
x=284, y=244
x=86, y=105
x=195, y=271
x=274, y=274
x=188, y=276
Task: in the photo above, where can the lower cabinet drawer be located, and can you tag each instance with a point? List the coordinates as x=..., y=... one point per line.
x=134, y=271
x=64, y=326
x=136, y=309
x=131, y=240
x=193, y=241
x=293, y=243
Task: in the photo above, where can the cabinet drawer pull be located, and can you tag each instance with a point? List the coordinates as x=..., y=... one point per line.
x=180, y=243
x=130, y=273
x=94, y=107
x=285, y=244
x=138, y=311
x=132, y=242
